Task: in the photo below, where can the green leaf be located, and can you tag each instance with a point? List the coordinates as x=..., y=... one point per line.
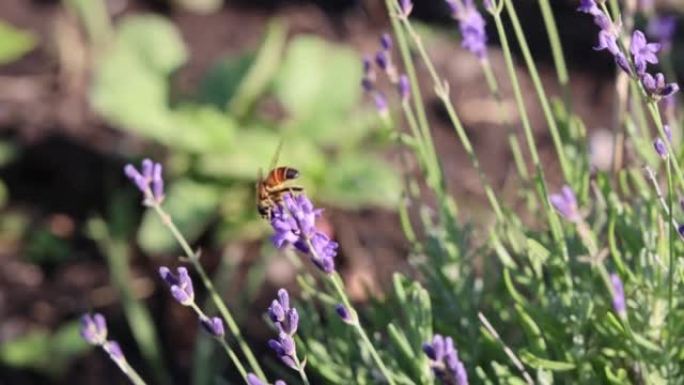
x=356, y=180
x=14, y=43
x=45, y=352
x=191, y=206
x=319, y=85
x=538, y=255
x=222, y=81
x=538, y=362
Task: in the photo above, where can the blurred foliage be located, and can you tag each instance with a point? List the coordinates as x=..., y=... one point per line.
x=14, y=43
x=43, y=351
x=221, y=137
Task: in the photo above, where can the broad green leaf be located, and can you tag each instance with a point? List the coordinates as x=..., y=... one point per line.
x=222, y=81
x=14, y=43
x=355, y=180
x=191, y=206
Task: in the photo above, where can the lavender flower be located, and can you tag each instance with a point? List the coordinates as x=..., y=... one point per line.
x=656, y=87
x=590, y=7
x=660, y=148
x=286, y=320
x=445, y=362
x=607, y=35
x=213, y=326
x=180, y=285
x=472, y=26
x=668, y=132
x=618, y=290
x=294, y=223
x=662, y=29
x=252, y=379
x=344, y=313
x=115, y=354
x=680, y=230
x=94, y=329
x=566, y=204
x=643, y=51
x=150, y=181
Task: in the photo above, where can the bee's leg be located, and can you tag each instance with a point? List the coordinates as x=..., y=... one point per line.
x=291, y=189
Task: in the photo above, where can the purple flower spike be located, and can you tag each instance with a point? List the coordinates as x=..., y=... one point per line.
x=180, y=285
x=213, y=326
x=660, y=148
x=150, y=181
x=656, y=87
x=643, y=51
x=471, y=25
x=286, y=320
x=94, y=329
x=294, y=223
x=344, y=313
x=566, y=204
x=444, y=361
x=619, y=304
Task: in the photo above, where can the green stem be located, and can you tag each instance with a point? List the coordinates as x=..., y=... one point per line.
x=337, y=284
x=670, y=278
x=539, y=88
x=300, y=369
x=218, y=302
x=442, y=91
x=541, y=187
x=125, y=367
x=557, y=52
x=493, y=85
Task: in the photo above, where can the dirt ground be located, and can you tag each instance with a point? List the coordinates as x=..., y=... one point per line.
x=43, y=108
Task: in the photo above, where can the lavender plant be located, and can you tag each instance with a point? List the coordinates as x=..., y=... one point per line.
x=588, y=292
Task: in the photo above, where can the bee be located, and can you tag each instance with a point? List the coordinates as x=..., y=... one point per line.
x=270, y=190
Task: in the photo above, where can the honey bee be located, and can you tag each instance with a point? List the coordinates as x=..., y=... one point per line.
x=270, y=190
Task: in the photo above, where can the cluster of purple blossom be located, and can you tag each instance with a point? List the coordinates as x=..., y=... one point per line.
x=286, y=320
x=642, y=52
x=471, y=25
x=445, y=362
x=294, y=223
x=383, y=61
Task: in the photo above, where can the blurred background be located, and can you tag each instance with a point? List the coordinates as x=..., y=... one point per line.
x=209, y=88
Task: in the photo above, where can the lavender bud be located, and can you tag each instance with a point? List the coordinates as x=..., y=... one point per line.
x=276, y=347
x=181, y=296
x=287, y=343
x=284, y=299
x=404, y=87
x=94, y=329
x=213, y=326
x=158, y=183
x=134, y=175
x=660, y=148
x=168, y=276
x=366, y=84
x=680, y=230
x=114, y=350
x=386, y=41
x=382, y=60
x=344, y=313
x=291, y=322
x=289, y=361
x=147, y=168
x=622, y=62
x=280, y=382
x=381, y=104
x=406, y=7
x=668, y=132
x=252, y=379
x=565, y=204
x=276, y=312
x=619, y=304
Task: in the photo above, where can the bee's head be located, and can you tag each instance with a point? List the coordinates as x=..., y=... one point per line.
x=264, y=211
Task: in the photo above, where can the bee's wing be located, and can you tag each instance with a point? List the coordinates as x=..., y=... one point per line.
x=276, y=155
